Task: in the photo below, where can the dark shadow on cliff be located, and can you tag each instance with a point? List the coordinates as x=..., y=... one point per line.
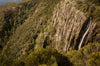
x=82, y=31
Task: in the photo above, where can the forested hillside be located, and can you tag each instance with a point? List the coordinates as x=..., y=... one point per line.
x=50, y=33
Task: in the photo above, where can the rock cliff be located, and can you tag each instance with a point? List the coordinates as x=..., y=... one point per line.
x=70, y=24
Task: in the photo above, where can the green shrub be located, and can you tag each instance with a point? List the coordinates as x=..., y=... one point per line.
x=94, y=59
x=87, y=55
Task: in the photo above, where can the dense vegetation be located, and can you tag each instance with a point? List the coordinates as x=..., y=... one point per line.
x=88, y=55
x=41, y=57
x=27, y=24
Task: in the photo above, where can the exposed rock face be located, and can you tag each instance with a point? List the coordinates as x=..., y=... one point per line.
x=70, y=25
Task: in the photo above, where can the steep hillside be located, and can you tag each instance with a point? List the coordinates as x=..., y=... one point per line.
x=50, y=32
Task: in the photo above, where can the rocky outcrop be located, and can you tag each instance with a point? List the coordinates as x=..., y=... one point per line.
x=70, y=25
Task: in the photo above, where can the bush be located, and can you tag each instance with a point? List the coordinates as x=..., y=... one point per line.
x=87, y=55
x=94, y=59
